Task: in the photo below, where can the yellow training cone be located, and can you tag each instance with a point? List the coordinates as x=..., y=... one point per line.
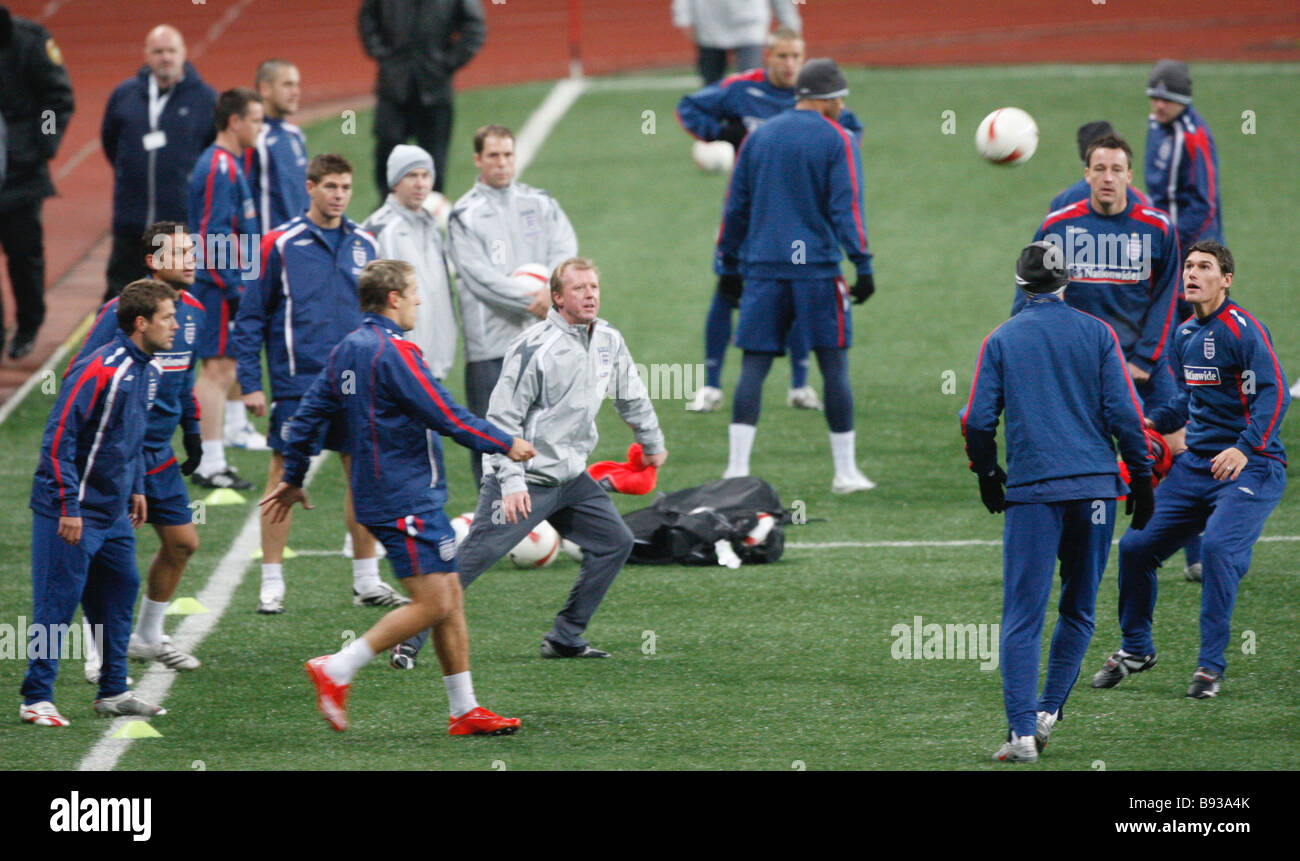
x=137, y=729
x=224, y=496
x=289, y=553
x=185, y=607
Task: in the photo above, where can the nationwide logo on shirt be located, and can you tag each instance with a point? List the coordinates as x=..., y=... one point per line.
x=1198, y=376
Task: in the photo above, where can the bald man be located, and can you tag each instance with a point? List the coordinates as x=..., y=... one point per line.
x=156, y=124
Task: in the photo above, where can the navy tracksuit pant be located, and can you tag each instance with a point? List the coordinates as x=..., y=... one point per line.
x=100, y=573
x=1230, y=513
x=1035, y=535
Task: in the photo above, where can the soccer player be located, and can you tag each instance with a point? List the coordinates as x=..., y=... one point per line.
x=304, y=304
x=1089, y=132
x=1182, y=163
x=1226, y=484
x=407, y=231
x=223, y=214
x=169, y=256
x=497, y=226
x=276, y=165
x=795, y=198
x=555, y=378
x=1060, y=377
x=87, y=496
x=728, y=111
x=377, y=384
x=1123, y=263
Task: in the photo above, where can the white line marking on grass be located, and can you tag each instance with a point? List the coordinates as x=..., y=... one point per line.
x=216, y=595
x=971, y=542
x=50, y=364
x=543, y=120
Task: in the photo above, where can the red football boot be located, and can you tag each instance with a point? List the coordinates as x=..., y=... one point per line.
x=331, y=697
x=480, y=721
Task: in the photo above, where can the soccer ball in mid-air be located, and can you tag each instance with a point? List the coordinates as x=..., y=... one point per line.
x=1007, y=136
x=538, y=549
x=713, y=156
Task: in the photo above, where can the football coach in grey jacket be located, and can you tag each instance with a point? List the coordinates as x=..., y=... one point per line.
x=498, y=226
x=555, y=377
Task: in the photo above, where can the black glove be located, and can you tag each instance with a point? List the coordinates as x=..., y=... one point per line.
x=1141, y=502
x=733, y=132
x=193, y=453
x=730, y=288
x=991, y=492
x=863, y=288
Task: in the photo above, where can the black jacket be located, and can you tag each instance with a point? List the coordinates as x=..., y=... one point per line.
x=33, y=80
x=419, y=44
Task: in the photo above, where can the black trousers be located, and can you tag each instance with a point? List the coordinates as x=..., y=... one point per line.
x=480, y=379
x=23, y=241
x=395, y=123
x=126, y=262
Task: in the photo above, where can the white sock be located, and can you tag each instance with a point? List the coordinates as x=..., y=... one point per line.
x=365, y=574
x=343, y=664
x=460, y=693
x=214, y=457
x=843, y=455
x=150, y=624
x=236, y=415
x=273, y=579
x=742, y=443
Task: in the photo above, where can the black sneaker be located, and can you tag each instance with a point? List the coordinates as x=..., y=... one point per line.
x=1120, y=666
x=226, y=478
x=402, y=657
x=555, y=650
x=1205, y=684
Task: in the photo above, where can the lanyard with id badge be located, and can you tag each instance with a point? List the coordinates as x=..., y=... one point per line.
x=155, y=138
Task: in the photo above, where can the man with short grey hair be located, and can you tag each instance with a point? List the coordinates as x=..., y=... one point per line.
x=556, y=376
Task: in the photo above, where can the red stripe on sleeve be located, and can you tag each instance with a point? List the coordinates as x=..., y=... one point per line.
x=406, y=349
x=853, y=180
x=1277, y=376
x=100, y=374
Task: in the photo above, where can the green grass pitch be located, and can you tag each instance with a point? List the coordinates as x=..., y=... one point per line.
x=768, y=667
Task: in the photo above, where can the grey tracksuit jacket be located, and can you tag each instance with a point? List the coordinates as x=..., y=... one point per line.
x=552, y=383
x=491, y=233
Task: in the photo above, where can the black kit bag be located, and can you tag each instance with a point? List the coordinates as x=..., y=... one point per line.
x=682, y=528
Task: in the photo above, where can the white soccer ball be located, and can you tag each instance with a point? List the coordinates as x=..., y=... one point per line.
x=460, y=526
x=759, y=533
x=713, y=156
x=437, y=205
x=538, y=549
x=1008, y=136
x=532, y=276
x=573, y=551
